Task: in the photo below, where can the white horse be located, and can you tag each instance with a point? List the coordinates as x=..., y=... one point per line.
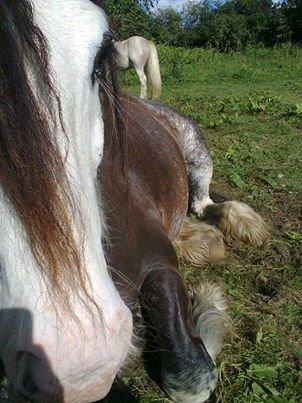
x=64, y=330
x=140, y=53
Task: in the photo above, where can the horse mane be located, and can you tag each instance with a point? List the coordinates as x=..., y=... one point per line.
x=32, y=169
x=114, y=114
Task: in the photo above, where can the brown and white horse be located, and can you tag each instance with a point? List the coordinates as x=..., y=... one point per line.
x=65, y=331
x=164, y=170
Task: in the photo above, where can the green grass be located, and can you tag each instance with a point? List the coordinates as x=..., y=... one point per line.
x=250, y=108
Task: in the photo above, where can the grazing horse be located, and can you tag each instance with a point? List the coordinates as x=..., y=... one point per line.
x=138, y=52
x=64, y=330
x=146, y=194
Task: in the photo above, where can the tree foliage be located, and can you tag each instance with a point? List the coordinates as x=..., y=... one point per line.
x=129, y=17
x=231, y=24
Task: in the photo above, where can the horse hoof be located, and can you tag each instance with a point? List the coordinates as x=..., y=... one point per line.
x=211, y=318
x=189, y=388
x=199, y=243
x=238, y=221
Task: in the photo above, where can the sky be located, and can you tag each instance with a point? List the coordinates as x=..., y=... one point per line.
x=173, y=3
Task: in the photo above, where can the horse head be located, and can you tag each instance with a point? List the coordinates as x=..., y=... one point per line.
x=64, y=330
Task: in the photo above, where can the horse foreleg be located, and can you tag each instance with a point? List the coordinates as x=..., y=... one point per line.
x=175, y=356
x=143, y=80
x=235, y=219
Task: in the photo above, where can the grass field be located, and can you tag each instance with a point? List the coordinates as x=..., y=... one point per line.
x=250, y=107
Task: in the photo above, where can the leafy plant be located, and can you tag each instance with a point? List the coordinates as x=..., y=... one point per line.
x=261, y=103
x=294, y=236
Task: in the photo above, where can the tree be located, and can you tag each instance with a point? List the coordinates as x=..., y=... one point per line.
x=234, y=24
x=129, y=17
x=292, y=10
x=167, y=27
x=226, y=25
x=117, y=4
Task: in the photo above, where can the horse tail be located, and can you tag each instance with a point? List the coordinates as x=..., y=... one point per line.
x=154, y=71
x=211, y=319
x=199, y=242
x=237, y=221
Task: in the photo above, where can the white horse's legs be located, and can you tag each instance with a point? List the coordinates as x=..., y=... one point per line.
x=143, y=80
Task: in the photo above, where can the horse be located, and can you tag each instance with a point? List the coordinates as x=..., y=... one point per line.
x=93, y=198
x=140, y=53
x=147, y=194
x=65, y=332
